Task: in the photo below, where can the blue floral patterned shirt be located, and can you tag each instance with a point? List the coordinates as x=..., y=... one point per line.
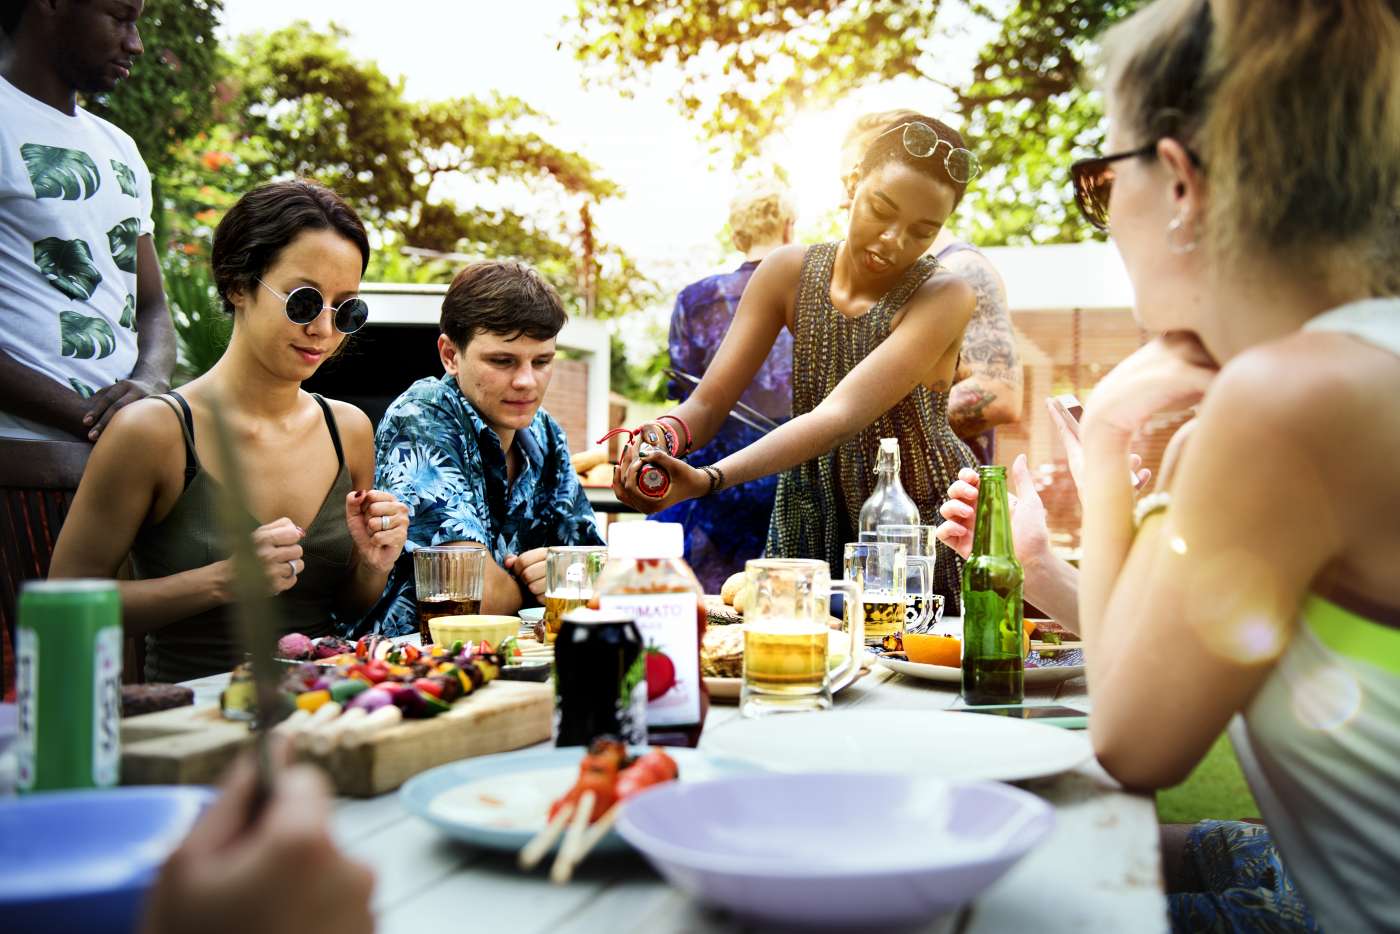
x=435, y=453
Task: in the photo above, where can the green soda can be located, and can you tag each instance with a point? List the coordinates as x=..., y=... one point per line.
x=68, y=662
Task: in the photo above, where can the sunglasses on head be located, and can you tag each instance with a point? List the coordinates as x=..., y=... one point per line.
x=921, y=141
x=304, y=305
x=1093, y=181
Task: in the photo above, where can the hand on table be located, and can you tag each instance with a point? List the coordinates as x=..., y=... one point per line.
x=529, y=568
x=378, y=525
x=106, y=402
x=280, y=875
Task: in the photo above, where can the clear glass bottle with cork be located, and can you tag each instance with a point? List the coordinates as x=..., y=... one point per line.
x=889, y=504
x=646, y=575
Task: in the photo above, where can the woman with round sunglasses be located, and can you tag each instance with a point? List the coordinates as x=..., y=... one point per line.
x=876, y=327
x=1252, y=187
x=287, y=262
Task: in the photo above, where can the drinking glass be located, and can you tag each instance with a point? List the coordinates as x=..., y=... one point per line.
x=787, y=637
x=921, y=612
x=882, y=571
x=447, y=581
x=570, y=573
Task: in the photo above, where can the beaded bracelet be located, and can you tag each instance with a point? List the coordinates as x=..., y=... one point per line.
x=716, y=478
x=684, y=427
x=1150, y=505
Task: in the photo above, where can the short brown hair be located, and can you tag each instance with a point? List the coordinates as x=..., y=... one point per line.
x=501, y=297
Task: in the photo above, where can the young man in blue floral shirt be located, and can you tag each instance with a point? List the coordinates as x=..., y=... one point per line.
x=471, y=452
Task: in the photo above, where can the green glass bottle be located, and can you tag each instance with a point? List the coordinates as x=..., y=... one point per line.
x=993, y=668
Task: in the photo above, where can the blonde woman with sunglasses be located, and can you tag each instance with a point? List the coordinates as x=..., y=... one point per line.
x=876, y=328
x=1252, y=184
x=287, y=261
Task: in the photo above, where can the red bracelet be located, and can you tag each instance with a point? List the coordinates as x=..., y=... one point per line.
x=686, y=428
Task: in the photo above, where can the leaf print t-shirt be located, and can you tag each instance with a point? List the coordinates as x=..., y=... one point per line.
x=75, y=197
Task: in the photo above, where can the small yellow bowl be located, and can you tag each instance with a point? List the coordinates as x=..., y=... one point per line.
x=494, y=629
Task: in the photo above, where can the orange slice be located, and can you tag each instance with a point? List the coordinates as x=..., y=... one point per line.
x=930, y=649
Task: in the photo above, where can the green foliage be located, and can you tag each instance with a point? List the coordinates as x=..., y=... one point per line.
x=85, y=337
x=1025, y=108
x=68, y=266
x=641, y=380
x=202, y=329
x=170, y=93
x=56, y=172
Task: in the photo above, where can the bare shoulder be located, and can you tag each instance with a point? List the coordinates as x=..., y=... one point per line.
x=978, y=271
x=949, y=294
x=356, y=429
x=144, y=426
x=1322, y=388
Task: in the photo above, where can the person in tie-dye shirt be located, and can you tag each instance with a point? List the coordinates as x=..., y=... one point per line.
x=471, y=452
x=725, y=530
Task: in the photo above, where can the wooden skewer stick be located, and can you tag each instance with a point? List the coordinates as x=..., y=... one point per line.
x=569, y=854
x=597, y=831
x=541, y=843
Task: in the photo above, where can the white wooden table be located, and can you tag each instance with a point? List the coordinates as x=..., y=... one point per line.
x=1098, y=871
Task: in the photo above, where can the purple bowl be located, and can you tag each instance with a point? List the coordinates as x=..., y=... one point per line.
x=841, y=849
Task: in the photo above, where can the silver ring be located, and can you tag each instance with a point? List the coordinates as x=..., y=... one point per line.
x=293, y=566
x=384, y=523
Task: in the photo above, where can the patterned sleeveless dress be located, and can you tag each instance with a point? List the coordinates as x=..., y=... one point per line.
x=817, y=510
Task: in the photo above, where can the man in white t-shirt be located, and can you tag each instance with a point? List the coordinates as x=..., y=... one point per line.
x=83, y=325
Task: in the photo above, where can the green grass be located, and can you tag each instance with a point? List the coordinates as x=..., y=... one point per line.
x=1216, y=790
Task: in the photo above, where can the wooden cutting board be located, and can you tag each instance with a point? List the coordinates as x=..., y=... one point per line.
x=193, y=745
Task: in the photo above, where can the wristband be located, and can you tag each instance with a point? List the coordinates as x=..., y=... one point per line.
x=689, y=438
x=1150, y=505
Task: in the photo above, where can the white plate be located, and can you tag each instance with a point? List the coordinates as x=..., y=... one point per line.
x=933, y=743
x=1050, y=675
x=501, y=801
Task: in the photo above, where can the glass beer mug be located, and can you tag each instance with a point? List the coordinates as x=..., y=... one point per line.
x=789, y=645
x=922, y=611
x=570, y=573
x=882, y=569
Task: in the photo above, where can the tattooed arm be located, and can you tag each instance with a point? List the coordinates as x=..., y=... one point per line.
x=988, y=391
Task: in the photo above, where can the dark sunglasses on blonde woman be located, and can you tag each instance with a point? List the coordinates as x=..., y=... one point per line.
x=1093, y=181
x=304, y=305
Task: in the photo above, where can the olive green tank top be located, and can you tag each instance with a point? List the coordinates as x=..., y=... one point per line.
x=817, y=506
x=189, y=537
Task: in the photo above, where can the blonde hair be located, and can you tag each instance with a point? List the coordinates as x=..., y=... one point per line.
x=759, y=213
x=1292, y=106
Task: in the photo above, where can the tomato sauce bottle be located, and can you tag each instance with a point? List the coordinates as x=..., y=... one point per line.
x=646, y=575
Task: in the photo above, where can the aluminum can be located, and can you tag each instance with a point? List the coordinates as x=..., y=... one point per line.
x=600, y=680
x=68, y=662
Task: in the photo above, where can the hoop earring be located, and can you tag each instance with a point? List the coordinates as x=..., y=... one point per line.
x=1177, y=246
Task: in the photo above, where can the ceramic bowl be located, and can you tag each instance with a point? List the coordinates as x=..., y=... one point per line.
x=83, y=860
x=806, y=849
x=494, y=629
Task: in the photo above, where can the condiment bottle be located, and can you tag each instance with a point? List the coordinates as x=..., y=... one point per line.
x=647, y=577
x=889, y=504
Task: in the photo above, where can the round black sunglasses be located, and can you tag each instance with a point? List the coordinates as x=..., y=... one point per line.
x=304, y=305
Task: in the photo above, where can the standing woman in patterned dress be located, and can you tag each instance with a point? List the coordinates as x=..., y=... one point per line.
x=877, y=327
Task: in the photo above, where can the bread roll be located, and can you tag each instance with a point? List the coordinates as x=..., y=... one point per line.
x=599, y=475
x=584, y=461
x=731, y=587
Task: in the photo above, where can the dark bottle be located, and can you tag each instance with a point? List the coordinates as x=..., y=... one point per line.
x=600, y=682
x=993, y=668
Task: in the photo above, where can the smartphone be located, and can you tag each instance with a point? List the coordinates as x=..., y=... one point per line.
x=1071, y=408
x=1068, y=717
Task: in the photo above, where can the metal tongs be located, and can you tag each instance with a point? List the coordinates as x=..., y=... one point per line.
x=257, y=615
x=744, y=414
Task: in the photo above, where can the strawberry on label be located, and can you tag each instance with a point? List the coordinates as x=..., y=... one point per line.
x=661, y=673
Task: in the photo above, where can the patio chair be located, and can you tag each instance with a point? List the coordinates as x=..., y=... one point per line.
x=37, y=483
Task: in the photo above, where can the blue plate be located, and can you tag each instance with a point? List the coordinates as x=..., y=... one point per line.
x=83, y=860
x=499, y=802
